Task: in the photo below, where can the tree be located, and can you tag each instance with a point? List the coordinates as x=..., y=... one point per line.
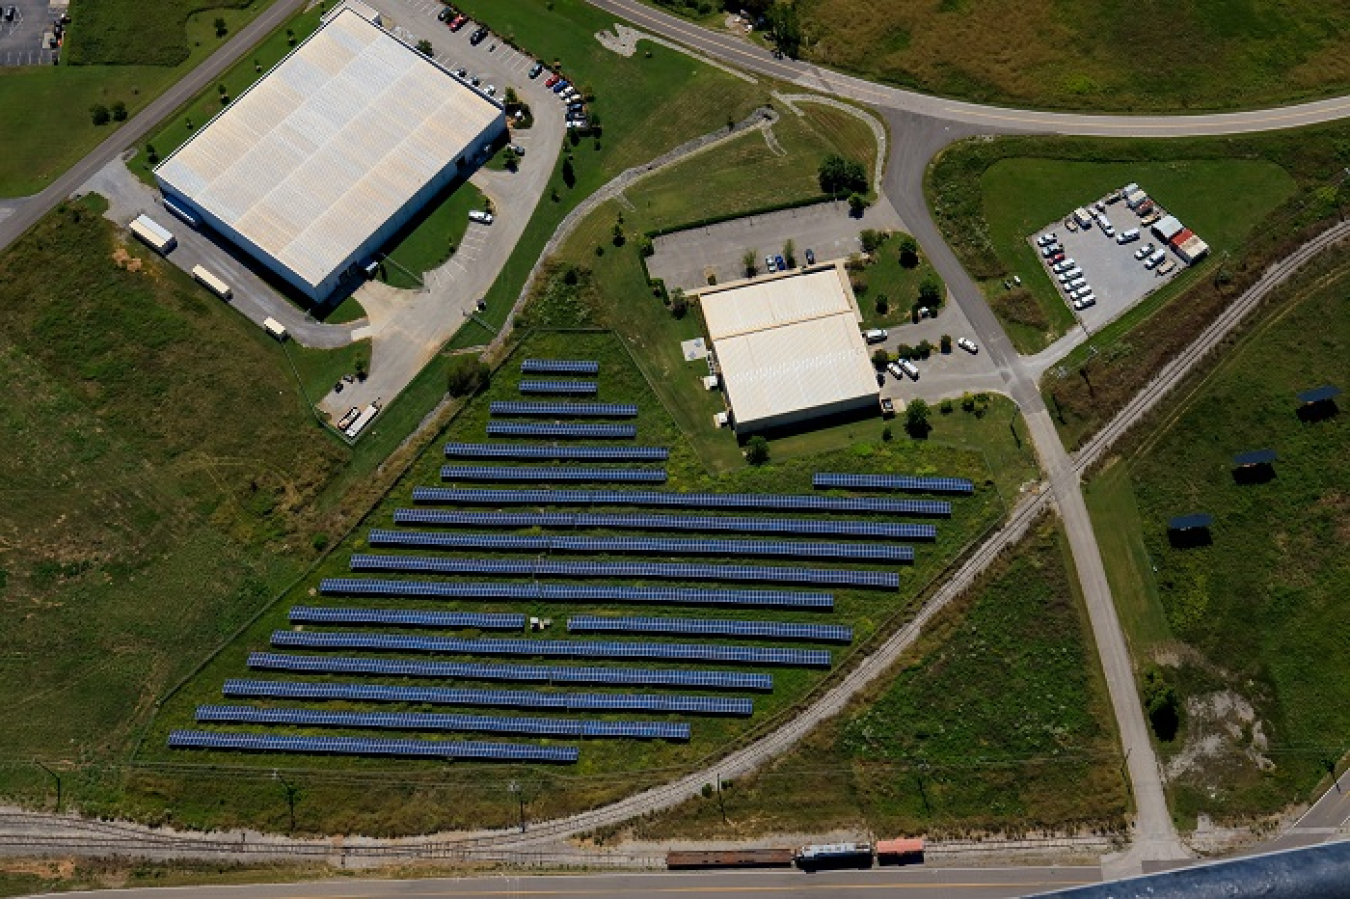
x=930, y=292
x=750, y=259
x=790, y=254
x=220, y=27
x=870, y=238
x=757, y=450
x=1160, y=701
x=568, y=172
x=946, y=343
x=909, y=252
x=510, y=159
x=360, y=366
x=467, y=374
x=883, y=304
x=839, y=176
x=880, y=358
x=924, y=349
x=98, y=113
x=424, y=47
x=151, y=156
x=679, y=305
x=510, y=98
x=857, y=204
x=619, y=237
x=916, y=418
x=785, y=27
x=119, y=111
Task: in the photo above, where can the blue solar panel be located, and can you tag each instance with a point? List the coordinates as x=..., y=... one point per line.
x=499, y=699
x=894, y=482
x=548, y=473
x=406, y=618
x=570, y=593
x=537, y=727
x=506, y=752
x=705, y=627
x=663, y=546
x=557, y=431
x=557, y=453
x=566, y=649
x=843, y=577
x=559, y=367
x=575, y=388
x=702, y=523
x=766, y=501
x=542, y=674
x=564, y=410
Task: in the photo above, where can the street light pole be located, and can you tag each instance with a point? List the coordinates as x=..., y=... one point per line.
x=514, y=787
x=56, y=777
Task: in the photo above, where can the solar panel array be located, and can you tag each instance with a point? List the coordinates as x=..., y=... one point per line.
x=893, y=482
x=767, y=501
x=558, y=387
x=542, y=674
x=506, y=752
x=537, y=727
x=801, y=526
x=568, y=593
x=558, y=453
x=842, y=577
x=555, y=430
x=405, y=618
x=545, y=473
x=500, y=699
x=563, y=410
x=710, y=627
x=664, y=546
x=569, y=649
x=559, y=367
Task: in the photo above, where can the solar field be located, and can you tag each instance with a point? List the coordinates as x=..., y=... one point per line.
x=630, y=628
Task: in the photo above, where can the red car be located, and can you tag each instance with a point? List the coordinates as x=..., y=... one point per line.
x=552, y=80
x=458, y=22
x=1058, y=257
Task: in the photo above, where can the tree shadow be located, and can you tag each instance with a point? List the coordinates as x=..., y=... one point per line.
x=1261, y=473
x=1319, y=411
x=1190, y=538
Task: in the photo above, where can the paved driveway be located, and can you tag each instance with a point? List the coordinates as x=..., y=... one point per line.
x=681, y=259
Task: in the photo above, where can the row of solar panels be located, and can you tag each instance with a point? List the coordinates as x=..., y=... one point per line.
x=541, y=674
x=661, y=546
x=440, y=749
x=405, y=618
x=688, y=596
x=499, y=699
x=893, y=482
x=766, y=501
x=558, y=453
x=563, y=410
x=710, y=627
x=537, y=727
x=559, y=387
x=565, y=649
x=802, y=526
x=842, y=577
x=557, y=430
x=547, y=473
x=559, y=367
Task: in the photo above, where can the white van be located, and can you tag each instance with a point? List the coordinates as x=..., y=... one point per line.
x=478, y=215
x=876, y=335
x=909, y=369
x=1156, y=259
x=1125, y=237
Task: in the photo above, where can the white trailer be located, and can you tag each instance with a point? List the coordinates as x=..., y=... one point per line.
x=275, y=328
x=367, y=415
x=153, y=234
x=212, y=283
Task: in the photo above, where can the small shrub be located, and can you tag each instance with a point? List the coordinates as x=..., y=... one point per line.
x=219, y=24
x=466, y=376
x=757, y=450
x=883, y=304
x=320, y=542
x=924, y=349
x=119, y=111
x=946, y=343
x=871, y=239
x=916, y=418
x=909, y=252
x=857, y=204
x=99, y=115
x=887, y=435
x=880, y=358
x=946, y=406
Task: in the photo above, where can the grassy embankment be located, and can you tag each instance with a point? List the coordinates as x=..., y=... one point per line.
x=161, y=472
x=372, y=796
x=996, y=721
x=117, y=51
x=1244, y=628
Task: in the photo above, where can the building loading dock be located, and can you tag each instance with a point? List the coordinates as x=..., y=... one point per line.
x=789, y=349
x=316, y=165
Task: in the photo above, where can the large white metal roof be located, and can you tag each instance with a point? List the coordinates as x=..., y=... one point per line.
x=788, y=345
x=329, y=145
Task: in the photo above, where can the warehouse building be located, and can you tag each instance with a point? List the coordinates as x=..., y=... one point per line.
x=789, y=349
x=317, y=164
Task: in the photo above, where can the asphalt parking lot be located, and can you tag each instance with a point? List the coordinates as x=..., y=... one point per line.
x=1115, y=276
x=21, y=40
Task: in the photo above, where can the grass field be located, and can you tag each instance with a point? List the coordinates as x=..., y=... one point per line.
x=1241, y=626
x=160, y=469
x=1093, y=55
x=355, y=795
x=996, y=721
x=886, y=277
x=427, y=241
x=126, y=33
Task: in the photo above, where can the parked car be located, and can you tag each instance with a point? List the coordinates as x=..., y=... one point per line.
x=908, y=368
x=478, y=215
x=769, y=264
x=490, y=90
x=1077, y=284
x=1085, y=301
x=461, y=72
x=478, y=36
x=561, y=86
x=881, y=381
x=810, y=257
x=458, y=22
x=1057, y=258
x=1063, y=266
x=1144, y=252
x=782, y=266
x=517, y=149
x=1051, y=249
x=876, y=335
x=535, y=70
x=1046, y=239
x=445, y=14
x=552, y=80
x=967, y=344
x=895, y=370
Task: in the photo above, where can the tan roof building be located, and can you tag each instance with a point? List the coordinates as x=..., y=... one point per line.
x=319, y=162
x=789, y=349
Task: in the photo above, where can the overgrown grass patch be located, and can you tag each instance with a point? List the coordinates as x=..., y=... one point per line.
x=119, y=32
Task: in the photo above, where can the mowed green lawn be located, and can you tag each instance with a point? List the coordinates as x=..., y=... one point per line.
x=1091, y=54
x=1254, y=615
x=44, y=110
x=997, y=720
x=160, y=470
x=426, y=241
x=1219, y=199
x=373, y=796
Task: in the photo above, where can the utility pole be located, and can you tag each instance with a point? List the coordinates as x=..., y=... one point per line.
x=514, y=787
x=721, y=805
x=292, y=795
x=56, y=777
